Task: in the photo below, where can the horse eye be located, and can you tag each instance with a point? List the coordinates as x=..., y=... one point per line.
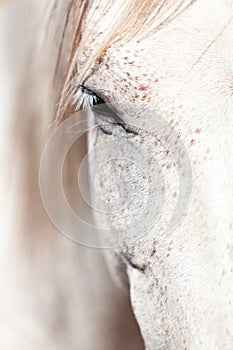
x=106, y=117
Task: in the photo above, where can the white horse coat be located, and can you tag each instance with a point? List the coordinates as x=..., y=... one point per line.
x=181, y=283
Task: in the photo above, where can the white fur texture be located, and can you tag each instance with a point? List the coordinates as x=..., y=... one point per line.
x=184, y=299
x=183, y=294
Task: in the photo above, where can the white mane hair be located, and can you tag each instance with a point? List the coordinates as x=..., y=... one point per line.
x=45, y=288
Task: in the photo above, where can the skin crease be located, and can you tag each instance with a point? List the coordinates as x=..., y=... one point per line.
x=183, y=296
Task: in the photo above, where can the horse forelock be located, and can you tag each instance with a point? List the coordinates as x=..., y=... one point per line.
x=102, y=24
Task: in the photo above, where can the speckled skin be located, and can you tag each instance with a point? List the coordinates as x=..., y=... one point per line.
x=183, y=295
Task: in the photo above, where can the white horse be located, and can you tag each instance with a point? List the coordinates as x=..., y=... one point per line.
x=164, y=68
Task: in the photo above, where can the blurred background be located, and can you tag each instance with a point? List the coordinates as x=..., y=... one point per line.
x=54, y=294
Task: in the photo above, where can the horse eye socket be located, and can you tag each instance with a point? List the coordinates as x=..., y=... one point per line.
x=105, y=115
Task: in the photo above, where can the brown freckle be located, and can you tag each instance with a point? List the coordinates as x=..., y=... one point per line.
x=153, y=252
x=143, y=88
x=174, y=194
x=156, y=80
x=197, y=131
x=126, y=58
x=192, y=142
x=168, y=166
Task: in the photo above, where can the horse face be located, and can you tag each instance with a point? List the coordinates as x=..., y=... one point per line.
x=179, y=78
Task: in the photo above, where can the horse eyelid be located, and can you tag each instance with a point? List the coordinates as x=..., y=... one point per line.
x=96, y=104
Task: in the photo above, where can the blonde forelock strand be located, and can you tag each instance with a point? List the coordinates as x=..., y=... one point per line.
x=129, y=20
